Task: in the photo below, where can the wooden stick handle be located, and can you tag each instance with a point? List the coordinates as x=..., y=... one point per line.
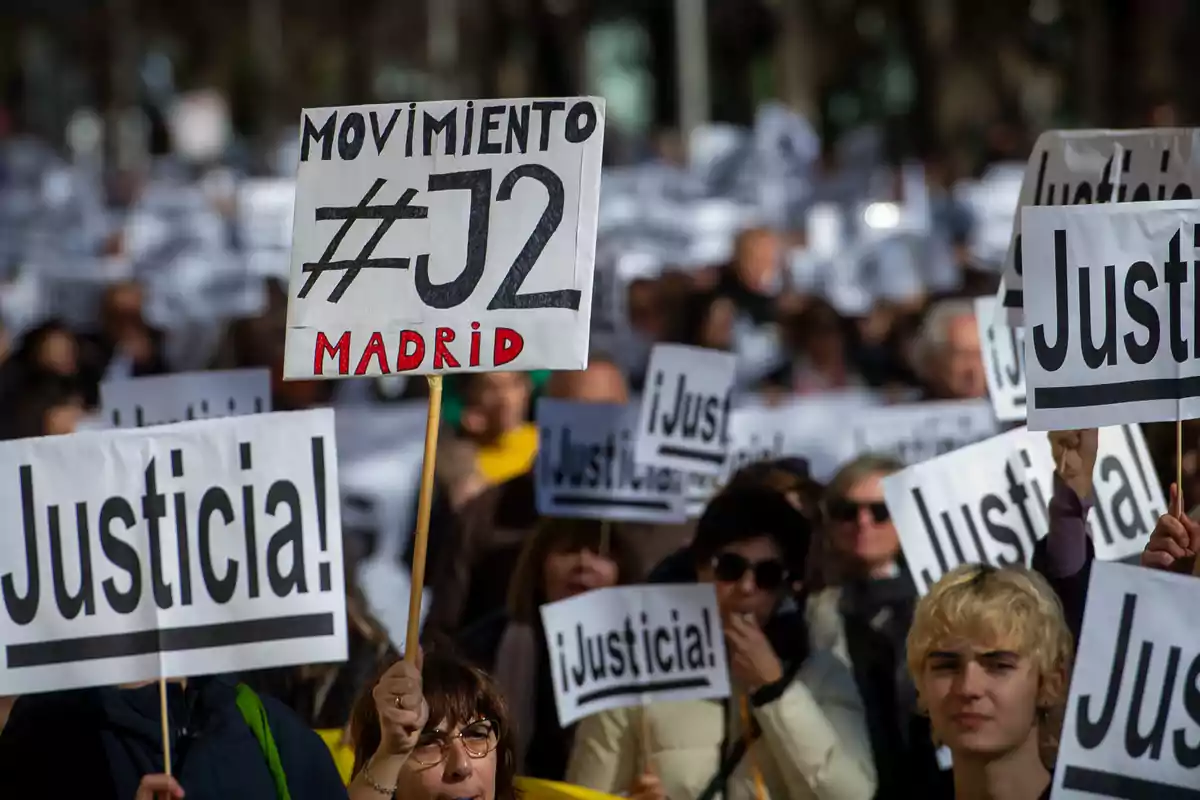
x=424, y=504
x=1179, y=468
x=166, y=725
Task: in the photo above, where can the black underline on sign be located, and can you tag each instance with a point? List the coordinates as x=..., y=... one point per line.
x=196, y=637
x=639, y=688
x=1109, y=784
x=609, y=502
x=690, y=454
x=1110, y=394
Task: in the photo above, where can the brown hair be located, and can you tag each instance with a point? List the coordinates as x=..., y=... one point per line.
x=457, y=694
x=555, y=534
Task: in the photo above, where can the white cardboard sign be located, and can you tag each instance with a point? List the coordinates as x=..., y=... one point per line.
x=1003, y=360
x=585, y=466
x=1100, y=166
x=1111, y=314
x=987, y=503
x=919, y=431
x=184, y=396
x=1132, y=719
x=635, y=645
x=454, y=236
x=685, y=409
x=191, y=549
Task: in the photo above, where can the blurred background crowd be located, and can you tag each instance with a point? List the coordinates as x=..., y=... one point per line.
x=818, y=186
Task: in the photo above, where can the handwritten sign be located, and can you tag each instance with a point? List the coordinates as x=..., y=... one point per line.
x=444, y=237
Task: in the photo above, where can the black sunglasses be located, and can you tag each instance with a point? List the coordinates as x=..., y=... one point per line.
x=848, y=510
x=768, y=575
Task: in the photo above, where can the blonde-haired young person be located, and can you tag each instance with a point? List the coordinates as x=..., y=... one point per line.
x=990, y=653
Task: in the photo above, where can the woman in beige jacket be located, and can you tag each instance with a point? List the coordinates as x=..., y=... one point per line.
x=807, y=732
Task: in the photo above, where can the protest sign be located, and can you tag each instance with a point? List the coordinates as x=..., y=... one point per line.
x=1099, y=166
x=987, y=503
x=635, y=645
x=184, y=396
x=685, y=409
x=1112, y=322
x=1132, y=729
x=585, y=466
x=489, y=265
x=173, y=551
x=1003, y=360
x=920, y=431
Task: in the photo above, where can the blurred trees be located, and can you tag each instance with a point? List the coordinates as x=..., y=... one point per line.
x=939, y=76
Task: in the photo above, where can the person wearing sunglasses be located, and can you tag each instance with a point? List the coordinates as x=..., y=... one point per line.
x=434, y=730
x=794, y=727
x=863, y=613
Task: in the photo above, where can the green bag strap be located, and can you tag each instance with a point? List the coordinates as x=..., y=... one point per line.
x=256, y=717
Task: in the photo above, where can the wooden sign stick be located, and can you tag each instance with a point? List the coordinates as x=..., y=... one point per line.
x=424, y=504
x=166, y=725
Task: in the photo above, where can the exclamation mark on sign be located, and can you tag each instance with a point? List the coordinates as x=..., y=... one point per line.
x=708, y=635
x=232, y=406
x=318, y=466
x=258, y=405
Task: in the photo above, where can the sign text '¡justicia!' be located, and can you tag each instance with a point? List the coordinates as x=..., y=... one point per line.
x=658, y=652
x=217, y=516
x=407, y=351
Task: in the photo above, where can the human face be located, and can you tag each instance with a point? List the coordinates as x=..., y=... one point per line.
x=62, y=419
x=601, y=382
x=58, y=353
x=743, y=595
x=571, y=571
x=982, y=700
x=858, y=533
x=451, y=763
x=962, y=360
x=758, y=260
x=499, y=404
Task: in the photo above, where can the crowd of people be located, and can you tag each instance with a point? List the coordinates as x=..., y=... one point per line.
x=847, y=686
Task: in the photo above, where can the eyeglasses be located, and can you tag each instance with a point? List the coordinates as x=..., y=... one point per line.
x=478, y=739
x=848, y=511
x=768, y=575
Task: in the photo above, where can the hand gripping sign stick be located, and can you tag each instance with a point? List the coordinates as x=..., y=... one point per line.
x=424, y=503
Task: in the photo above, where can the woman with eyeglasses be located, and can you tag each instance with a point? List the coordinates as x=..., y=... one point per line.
x=434, y=730
x=794, y=727
x=863, y=614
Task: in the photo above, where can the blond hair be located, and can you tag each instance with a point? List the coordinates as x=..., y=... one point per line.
x=1009, y=606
